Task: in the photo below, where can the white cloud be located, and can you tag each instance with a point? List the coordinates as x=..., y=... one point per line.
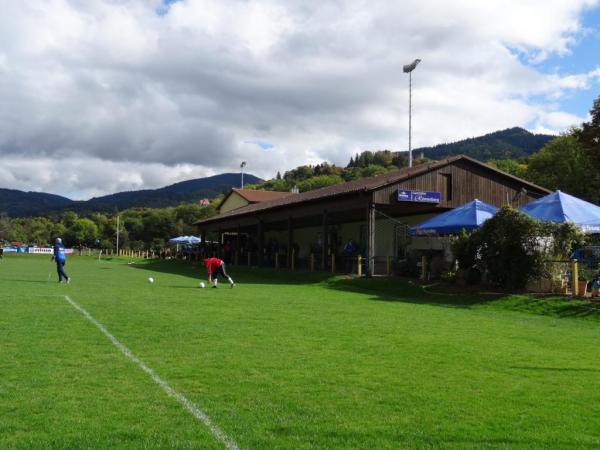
x=156, y=99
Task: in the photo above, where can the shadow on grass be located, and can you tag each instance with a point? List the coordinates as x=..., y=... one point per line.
x=241, y=274
x=379, y=288
x=408, y=291
x=384, y=289
x=554, y=306
x=556, y=369
x=52, y=280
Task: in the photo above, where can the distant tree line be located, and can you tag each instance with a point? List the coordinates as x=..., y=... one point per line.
x=140, y=229
x=309, y=177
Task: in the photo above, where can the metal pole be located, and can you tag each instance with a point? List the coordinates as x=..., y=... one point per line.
x=242, y=165
x=408, y=69
x=117, y=234
x=410, y=159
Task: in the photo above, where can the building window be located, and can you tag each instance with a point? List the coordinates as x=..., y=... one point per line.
x=447, y=185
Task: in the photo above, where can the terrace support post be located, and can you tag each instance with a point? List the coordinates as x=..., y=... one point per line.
x=312, y=262
x=290, y=244
x=220, y=245
x=574, y=278
x=325, y=241
x=370, y=240
x=261, y=242
x=424, y=268
x=293, y=264
x=359, y=266
x=333, y=263
x=237, y=246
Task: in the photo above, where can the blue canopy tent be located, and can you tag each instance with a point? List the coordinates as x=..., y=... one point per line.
x=468, y=216
x=176, y=240
x=185, y=240
x=560, y=207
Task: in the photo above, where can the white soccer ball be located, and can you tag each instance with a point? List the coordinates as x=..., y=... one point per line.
x=202, y=285
x=150, y=280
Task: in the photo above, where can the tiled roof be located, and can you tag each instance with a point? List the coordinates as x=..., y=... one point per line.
x=362, y=184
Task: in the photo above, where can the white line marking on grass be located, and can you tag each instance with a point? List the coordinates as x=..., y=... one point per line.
x=196, y=412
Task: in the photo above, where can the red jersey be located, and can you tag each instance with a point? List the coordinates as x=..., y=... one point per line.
x=212, y=264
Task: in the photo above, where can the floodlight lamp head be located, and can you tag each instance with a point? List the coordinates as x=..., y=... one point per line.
x=410, y=67
x=243, y=164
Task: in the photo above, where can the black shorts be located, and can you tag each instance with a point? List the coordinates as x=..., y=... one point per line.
x=219, y=271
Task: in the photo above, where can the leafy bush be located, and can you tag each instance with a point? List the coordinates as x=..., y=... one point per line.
x=464, y=249
x=509, y=247
x=566, y=237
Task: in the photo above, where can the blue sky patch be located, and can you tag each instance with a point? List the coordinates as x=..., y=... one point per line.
x=582, y=59
x=164, y=8
x=262, y=144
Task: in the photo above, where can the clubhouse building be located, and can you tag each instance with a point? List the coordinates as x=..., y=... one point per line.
x=313, y=229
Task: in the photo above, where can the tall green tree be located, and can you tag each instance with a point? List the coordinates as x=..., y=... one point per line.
x=84, y=231
x=512, y=166
x=589, y=138
x=563, y=164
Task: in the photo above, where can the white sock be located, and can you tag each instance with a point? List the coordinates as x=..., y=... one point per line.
x=230, y=280
x=215, y=282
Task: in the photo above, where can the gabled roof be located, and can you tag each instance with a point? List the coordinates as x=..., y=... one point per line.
x=254, y=196
x=361, y=185
x=257, y=196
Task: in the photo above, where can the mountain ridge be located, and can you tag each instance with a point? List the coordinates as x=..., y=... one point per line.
x=510, y=143
x=17, y=203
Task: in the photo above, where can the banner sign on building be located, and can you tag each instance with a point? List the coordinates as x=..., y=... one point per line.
x=405, y=195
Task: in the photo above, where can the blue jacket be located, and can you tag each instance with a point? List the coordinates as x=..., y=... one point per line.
x=59, y=253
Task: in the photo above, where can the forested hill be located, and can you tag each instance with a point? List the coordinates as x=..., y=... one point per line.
x=18, y=203
x=512, y=143
x=184, y=191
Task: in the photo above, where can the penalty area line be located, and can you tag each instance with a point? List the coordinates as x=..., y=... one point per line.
x=193, y=409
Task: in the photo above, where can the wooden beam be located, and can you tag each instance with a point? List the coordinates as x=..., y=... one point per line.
x=261, y=242
x=290, y=242
x=237, y=253
x=370, y=240
x=325, y=241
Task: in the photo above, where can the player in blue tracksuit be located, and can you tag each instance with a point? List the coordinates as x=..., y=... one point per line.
x=61, y=259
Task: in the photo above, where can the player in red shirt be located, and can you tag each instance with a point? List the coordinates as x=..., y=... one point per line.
x=216, y=267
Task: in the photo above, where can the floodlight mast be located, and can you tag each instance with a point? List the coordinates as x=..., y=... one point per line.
x=242, y=165
x=408, y=69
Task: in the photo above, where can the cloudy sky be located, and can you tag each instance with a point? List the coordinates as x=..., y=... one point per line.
x=100, y=96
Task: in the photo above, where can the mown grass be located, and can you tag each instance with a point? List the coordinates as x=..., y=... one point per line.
x=289, y=361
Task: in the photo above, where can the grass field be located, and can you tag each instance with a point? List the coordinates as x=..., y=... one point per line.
x=287, y=361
